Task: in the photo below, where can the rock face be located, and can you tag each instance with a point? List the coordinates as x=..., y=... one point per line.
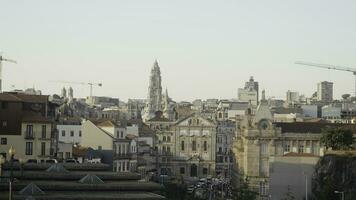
x=335, y=173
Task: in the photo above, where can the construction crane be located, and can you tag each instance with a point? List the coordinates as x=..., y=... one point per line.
x=332, y=67
x=82, y=83
x=7, y=60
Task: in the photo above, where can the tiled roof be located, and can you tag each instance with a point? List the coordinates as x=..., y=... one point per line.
x=9, y=97
x=34, y=117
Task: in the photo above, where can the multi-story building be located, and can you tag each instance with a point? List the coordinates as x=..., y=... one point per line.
x=259, y=141
x=224, y=137
x=325, y=91
x=194, y=150
x=26, y=124
x=292, y=97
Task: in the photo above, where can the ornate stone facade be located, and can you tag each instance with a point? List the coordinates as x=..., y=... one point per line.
x=258, y=140
x=154, y=98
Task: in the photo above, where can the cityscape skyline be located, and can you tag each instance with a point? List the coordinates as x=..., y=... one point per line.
x=122, y=40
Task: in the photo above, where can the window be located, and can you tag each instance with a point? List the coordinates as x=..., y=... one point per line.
x=29, y=131
x=264, y=148
x=4, y=105
x=63, y=133
x=168, y=149
x=4, y=123
x=194, y=146
x=205, y=171
x=220, y=150
x=80, y=133
x=164, y=149
x=301, y=149
x=263, y=167
x=168, y=138
x=100, y=147
x=71, y=133
x=164, y=138
x=122, y=134
x=128, y=166
x=4, y=141
x=182, y=170
x=286, y=148
x=43, y=148
x=263, y=190
x=67, y=154
x=29, y=148
x=219, y=139
x=43, y=131
x=119, y=149
x=205, y=145
x=182, y=145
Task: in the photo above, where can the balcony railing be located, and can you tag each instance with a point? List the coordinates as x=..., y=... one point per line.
x=29, y=136
x=123, y=156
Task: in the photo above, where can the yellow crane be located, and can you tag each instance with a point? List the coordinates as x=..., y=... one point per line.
x=1, y=60
x=82, y=83
x=332, y=67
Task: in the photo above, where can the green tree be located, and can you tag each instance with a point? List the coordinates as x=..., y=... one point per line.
x=289, y=194
x=243, y=192
x=338, y=138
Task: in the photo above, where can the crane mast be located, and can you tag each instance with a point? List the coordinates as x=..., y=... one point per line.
x=332, y=67
x=1, y=60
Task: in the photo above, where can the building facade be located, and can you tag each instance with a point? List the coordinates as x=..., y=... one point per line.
x=154, y=98
x=325, y=91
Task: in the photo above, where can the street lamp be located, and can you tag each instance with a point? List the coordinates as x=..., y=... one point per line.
x=22, y=163
x=342, y=194
x=12, y=152
x=2, y=161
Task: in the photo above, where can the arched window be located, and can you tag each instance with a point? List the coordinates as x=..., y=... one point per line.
x=182, y=145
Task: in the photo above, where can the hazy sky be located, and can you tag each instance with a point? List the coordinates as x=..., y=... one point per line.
x=206, y=49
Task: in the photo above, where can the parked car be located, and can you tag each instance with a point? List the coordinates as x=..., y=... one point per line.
x=32, y=161
x=71, y=161
x=51, y=161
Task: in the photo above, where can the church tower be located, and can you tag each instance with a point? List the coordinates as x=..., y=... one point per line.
x=154, y=98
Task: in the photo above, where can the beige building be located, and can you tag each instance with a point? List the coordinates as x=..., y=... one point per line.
x=34, y=142
x=98, y=135
x=194, y=151
x=25, y=124
x=258, y=140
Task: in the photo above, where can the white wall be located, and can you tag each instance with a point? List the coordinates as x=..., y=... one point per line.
x=67, y=129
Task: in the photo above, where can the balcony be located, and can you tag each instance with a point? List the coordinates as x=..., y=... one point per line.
x=29, y=136
x=122, y=156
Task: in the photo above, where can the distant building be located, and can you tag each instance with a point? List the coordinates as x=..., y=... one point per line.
x=249, y=93
x=103, y=102
x=325, y=91
x=331, y=113
x=154, y=98
x=292, y=97
x=310, y=111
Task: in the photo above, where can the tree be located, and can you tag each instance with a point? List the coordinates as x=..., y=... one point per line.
x=289, y=194
x=243, y=192
x=338, y=138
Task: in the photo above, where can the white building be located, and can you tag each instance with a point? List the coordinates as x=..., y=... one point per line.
x=292, y=97
x=69, y=133
x=330, y=112
x=310, y=111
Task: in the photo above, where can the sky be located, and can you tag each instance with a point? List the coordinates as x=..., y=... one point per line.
x=206, y=49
